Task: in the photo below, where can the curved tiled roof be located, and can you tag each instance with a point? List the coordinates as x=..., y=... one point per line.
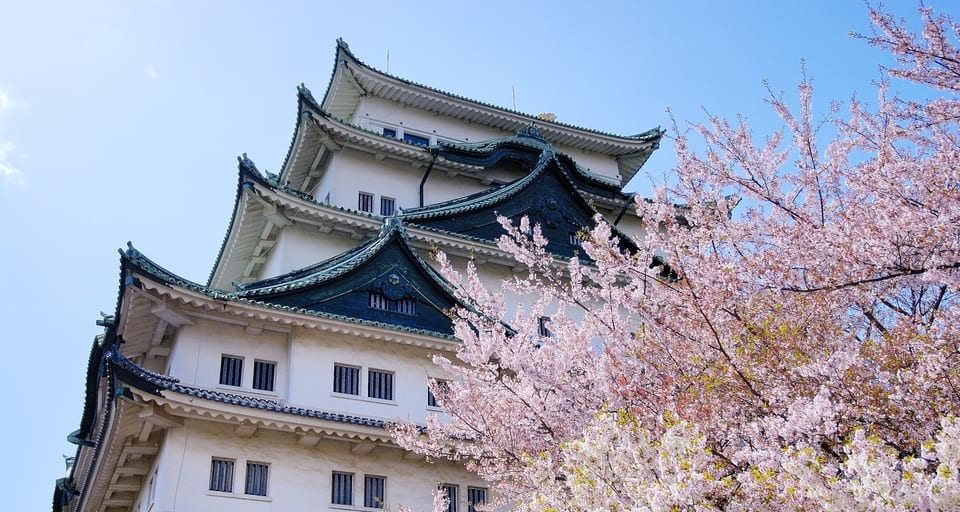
x=153, y=382
x=649, y=135
x=140, y=262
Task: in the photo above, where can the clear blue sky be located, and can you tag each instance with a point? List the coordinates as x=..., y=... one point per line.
x=123, y=122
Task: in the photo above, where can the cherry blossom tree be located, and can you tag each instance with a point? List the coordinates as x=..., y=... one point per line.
x=800, y=349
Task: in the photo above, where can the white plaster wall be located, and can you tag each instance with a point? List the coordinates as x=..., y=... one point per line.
x=299, y=477
x=302, y=245
x=373, y=110
x=351, y=172
x=196, y=354
x=311, y=380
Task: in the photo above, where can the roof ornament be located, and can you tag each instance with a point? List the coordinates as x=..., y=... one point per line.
x=246, y=162
x=307, y=95
x=532, y=132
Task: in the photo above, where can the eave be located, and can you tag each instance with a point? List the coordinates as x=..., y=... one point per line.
x=320, y=134
x=198, y=302
x=352, y=79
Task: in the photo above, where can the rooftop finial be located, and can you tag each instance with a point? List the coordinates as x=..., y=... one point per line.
x=531, y=131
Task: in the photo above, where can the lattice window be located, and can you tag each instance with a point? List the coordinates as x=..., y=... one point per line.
x=263, y=375
x=450, y=491
x=365, y=202
x=380, y=384
x=256, y=479
x=475, y=496
x=441, y=386
x=405, y=305
x=387, y=206
x=342, y=489
x=543, y=327
x=416, y=139
x=221, y=475
x=231, y=370
x=373, y=491
x=346, y=379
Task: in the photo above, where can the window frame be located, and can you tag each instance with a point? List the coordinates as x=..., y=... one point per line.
x=453, y=495
x=348, y=496
x=226, y=481
x=384, y=200
x=471, y=506
x=388, y=386
x=361, y=196
x=238, y=373
x=356, y=383
x=431, y=397
x=380, y=302
x=366, y=492
x=257, y=363
x=264, y=479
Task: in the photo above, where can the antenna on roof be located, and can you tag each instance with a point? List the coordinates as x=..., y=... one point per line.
x=388, y=61
x=514, y=87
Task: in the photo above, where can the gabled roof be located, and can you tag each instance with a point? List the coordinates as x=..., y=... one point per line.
x=550, y=195
x=368, y=283
x=352, y=79
x=339, y=288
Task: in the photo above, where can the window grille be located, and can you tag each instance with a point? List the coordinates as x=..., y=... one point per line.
x=441, y=386
x=475, y=496
x=342, y=489
x=380, y=385
x=263, y=373
x=405, y=305
x=346, y=379
x=231, y=370
x=256, y=479
x=389, y=132
x=416, y=139
x=365, y=203
x=450, y=491
x=387, y=206
x=575, y=239
x=543, y=327
x=221, y=475
x=373, y=496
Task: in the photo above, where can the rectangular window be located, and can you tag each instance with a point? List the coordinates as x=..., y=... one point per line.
x=365, y=203
x=221, y=475
x=231, y=371
x=450, y=491
x=544, y=327
x=475, y=496
x=373, y=496
x=346, y=379
x=263, y=373
x=380, y=385
x=416, y=139
x=387, y=206
x=441, y=386
x=575, y=239
x=342, y=489
x=256, y=479
x=405, y=305
x=389, y=132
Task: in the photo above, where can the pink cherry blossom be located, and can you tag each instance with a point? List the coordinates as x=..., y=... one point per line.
x=802, y=352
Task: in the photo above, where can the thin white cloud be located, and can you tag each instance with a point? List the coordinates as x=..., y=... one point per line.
x=9, y=175
x=152, y=72
x=8, y=103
